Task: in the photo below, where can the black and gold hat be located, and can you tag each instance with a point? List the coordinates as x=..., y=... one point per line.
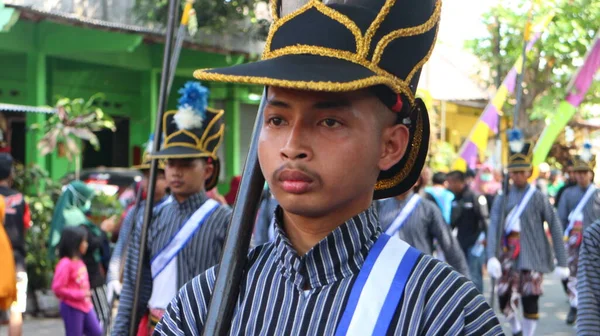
x=585, y=161
x=194, y=130
x=520, y=152
x=341, y=46
x=147, y=158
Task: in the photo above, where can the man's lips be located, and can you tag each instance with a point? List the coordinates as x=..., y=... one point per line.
x=295, y=181
x=176, y=183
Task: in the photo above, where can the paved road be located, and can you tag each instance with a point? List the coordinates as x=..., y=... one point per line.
x=553, y=311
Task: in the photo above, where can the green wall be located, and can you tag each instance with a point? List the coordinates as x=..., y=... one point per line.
x=44, y=60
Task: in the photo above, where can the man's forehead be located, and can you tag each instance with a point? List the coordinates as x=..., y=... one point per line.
x=280, y=93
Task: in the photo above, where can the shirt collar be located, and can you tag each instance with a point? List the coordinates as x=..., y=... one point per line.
x=193, y=202
x=339, y=255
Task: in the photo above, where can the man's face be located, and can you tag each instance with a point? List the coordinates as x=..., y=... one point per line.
x=455, y=185
x=186, y=177
x=583, y=178
x=571, y=174
x=520, y=178
x=161, y=184
x=322, y=152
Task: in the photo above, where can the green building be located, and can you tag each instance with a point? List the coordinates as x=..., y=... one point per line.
x=76, y=52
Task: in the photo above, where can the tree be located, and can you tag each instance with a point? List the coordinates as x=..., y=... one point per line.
x=553, y=60
x=225, y=16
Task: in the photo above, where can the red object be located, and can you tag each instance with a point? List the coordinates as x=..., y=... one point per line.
x=233, y=189
x=398, y=106
x=27, y=217
x=143, y=326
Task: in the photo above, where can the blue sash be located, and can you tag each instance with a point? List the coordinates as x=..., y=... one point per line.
x=378, y=289
x=182, y=237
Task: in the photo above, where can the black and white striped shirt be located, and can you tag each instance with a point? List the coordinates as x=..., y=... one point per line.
x=568, y=203
x=200, y=253
x=287, y=294
x=588, y=283
x=422, y=226
x=536, y=253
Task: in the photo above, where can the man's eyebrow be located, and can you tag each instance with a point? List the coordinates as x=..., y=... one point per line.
x=277, y=103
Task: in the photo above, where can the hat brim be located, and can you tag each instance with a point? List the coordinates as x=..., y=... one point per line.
x=302, y=72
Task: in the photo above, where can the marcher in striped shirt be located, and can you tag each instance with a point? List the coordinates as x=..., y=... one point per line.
x=588, y=284
x=579, y=208
x=421, y=226
x=330, y=143
x=526, y=254
x=186, y=236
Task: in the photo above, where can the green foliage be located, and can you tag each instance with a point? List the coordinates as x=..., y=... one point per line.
x=228, y=16
x=74, y=119
x=441, y=156
x=554, y=59
x=105, y=206
x=41, y=193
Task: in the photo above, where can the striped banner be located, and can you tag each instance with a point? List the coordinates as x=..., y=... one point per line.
x=576, y=91
x=476, y=142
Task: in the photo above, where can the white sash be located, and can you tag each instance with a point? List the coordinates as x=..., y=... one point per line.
x=403, y=215
x=378, y=288
x=182, y=237
x=514, y=217
x=577, y=213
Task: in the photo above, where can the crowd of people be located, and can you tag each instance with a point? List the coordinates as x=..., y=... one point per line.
x=353, y=235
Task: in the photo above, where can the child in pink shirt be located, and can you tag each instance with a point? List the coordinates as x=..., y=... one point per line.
x=72, y=286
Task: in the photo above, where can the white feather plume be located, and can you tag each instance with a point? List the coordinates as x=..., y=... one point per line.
x=187, y=118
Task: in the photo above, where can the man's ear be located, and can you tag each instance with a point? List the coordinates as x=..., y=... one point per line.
x=394, y=140
x=209, y=170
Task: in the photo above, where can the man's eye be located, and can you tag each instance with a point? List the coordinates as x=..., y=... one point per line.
x=275, y=121
x=330, y=123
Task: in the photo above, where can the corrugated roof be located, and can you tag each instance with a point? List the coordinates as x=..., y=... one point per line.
x=26, y=108
x=36, y=10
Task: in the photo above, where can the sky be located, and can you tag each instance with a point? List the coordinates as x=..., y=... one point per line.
x=461, y=20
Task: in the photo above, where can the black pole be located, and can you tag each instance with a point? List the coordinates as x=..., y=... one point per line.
x=162, y=103
x=235, y=251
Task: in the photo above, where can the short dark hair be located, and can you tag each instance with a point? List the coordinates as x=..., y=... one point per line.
x=70, y=240
x=438, y=178
x=470, y=173
x=6, y=165
x=457, y=175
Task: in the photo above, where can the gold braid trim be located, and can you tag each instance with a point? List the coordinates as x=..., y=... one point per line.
x=383, y=13
x=183, y=156
x=410, y=163
x=218, y=135
x=343, y=20
x=406, y=32
x=273, y=8
x=302, y=85
x=425, y=59
x=218, y=115
x=399, y=87
x=280, y=22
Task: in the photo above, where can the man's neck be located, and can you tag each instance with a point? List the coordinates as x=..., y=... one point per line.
x=5, y=183
x=306, y=232
x=521, y=186
x=403, y=196
x=584, y=185
x=157, y=198
x=180, y=198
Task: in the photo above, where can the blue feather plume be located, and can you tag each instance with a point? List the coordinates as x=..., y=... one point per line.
x=191, y=106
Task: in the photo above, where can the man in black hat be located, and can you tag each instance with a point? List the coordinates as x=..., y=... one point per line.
x=341, y=127
x=571, y=181
x=578, y=208
x=186, y=236
x=134, y=217
x=527, y=254
x=16, y=222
